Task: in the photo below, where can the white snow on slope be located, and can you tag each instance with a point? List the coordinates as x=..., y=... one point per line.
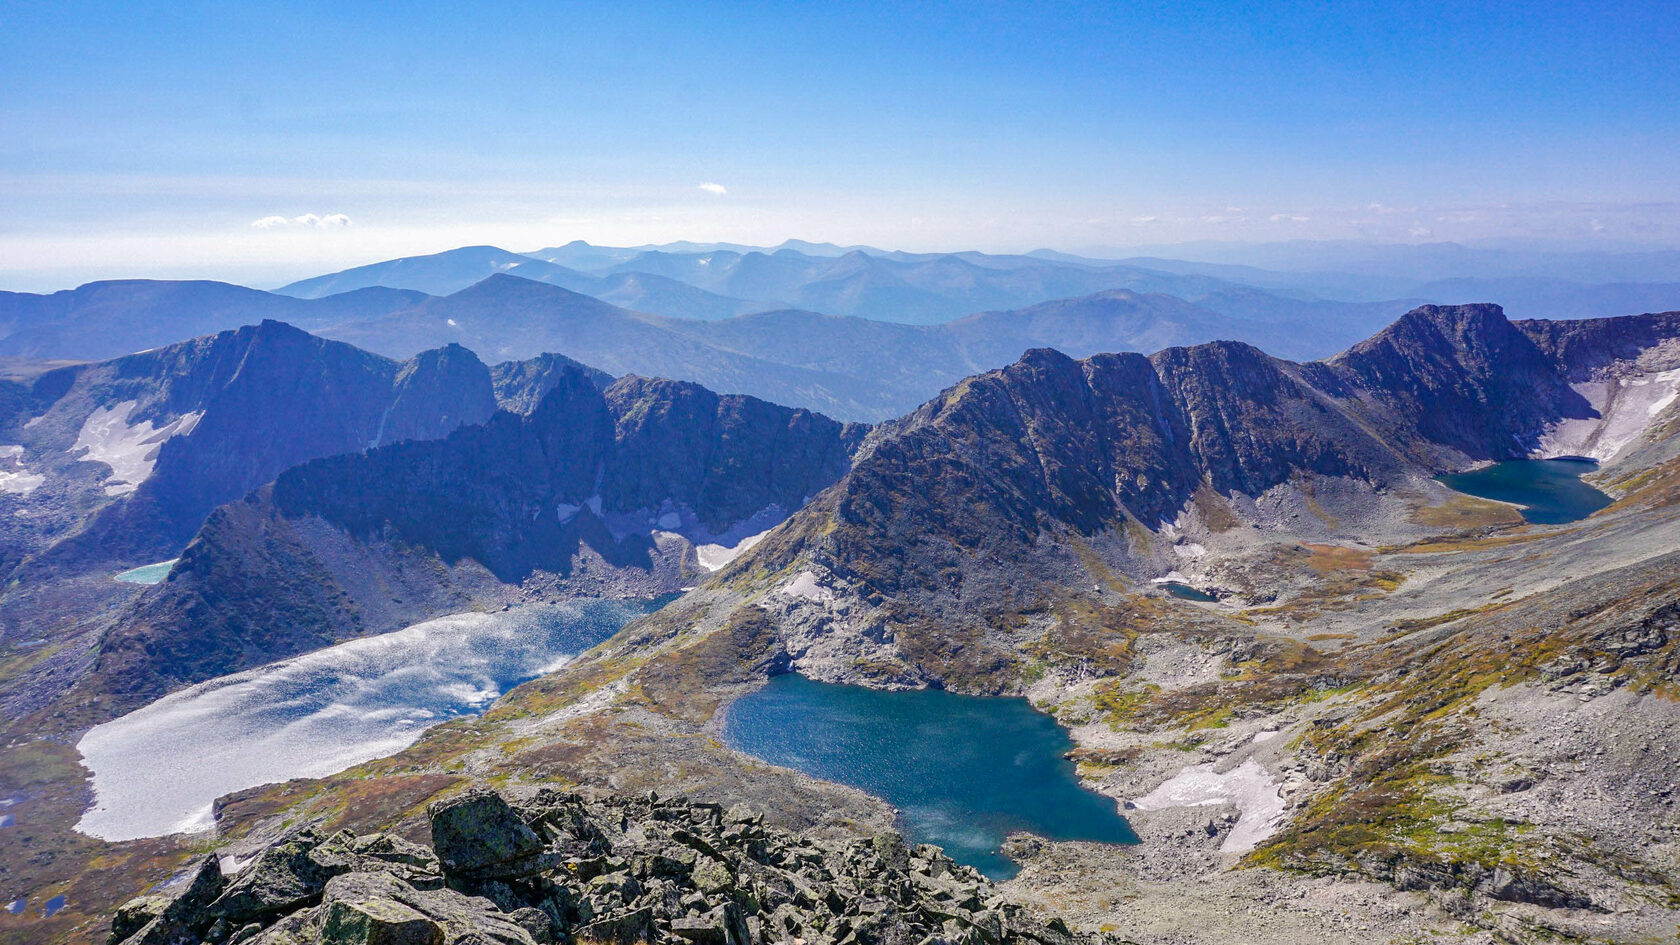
x=805, y=587
x=712, y=557
x=157, y=769
x=130, y=450
x=1249, y=788
x=1626, y=407
x=14, y=476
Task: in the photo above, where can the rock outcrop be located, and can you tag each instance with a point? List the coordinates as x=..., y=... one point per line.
x=560, y=867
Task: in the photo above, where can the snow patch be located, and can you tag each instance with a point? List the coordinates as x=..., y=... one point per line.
x=14, y=476
x=1249, y=788
x=158, y=769
x=805, y=587
x=1626, y=407
x=712, y=557
x=131, y=450
x=1189, y=549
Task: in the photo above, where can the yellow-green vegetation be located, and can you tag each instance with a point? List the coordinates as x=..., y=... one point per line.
x=1465, y=512
x=1394, y=802
x=688, y=682
x=1215, y=511
x=1340, y=577
x=42, y=854
x=1121, y=704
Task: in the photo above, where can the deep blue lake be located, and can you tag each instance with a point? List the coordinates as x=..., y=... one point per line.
x=1550, y=491
x=964, y=771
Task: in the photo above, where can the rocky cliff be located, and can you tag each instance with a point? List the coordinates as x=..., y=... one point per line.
x=994, y=505
x=594, y=491
x=133, y=453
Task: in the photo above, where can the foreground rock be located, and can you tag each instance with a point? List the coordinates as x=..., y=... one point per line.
x=560, y=867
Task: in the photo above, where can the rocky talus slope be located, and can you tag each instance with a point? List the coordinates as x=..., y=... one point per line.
x=558, y=867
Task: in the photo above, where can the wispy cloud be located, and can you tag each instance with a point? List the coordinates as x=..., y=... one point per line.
x=1287, y=218
x=331, y=221
x=714, y=188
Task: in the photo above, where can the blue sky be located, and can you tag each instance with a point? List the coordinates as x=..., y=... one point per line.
x=147, y=139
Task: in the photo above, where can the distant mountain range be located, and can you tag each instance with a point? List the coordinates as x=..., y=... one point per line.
x=922, y=288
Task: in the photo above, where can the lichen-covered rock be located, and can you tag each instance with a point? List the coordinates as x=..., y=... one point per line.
x=563, y=868
x=162, y=919
x=478, y=836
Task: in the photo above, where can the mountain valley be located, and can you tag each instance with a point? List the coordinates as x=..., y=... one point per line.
x=1388, y=708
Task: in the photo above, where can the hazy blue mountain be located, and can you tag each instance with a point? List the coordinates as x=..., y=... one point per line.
x=108, y=319
x=850, y=368
x=1535, y=297
x=454, y=270
x=1416, y=264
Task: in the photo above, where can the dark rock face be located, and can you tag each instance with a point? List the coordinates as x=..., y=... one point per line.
x=1583, y=346
x=1052, y=443
x=495, y=492
x=258, y=400
x=972, y=508
x=565, y=868
x=521, y=385
x=325, y=553
x=1462, y=376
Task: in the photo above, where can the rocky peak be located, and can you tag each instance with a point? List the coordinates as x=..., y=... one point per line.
x=1464, y=377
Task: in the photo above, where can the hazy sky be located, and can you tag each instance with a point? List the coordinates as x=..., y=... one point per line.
x=141, y=139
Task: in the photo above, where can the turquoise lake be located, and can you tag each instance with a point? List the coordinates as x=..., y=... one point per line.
x=964, y=771
x=1186, y=592
x=1549, y=491
x=148, y=573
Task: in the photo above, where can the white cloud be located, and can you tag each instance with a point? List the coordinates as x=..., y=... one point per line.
x=712, y=188
x=331, y=221
x=1287, y=218
x=1141, y=220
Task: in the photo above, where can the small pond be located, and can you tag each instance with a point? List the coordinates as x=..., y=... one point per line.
x=964, y=771
x=1548, y=491
x=1186, y=592
x=148, y=573
x=157, y=769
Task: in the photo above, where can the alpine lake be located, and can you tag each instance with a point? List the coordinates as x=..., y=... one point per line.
x=1548, y=491
x=963, y=771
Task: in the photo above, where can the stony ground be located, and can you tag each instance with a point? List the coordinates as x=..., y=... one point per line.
x=557, y=867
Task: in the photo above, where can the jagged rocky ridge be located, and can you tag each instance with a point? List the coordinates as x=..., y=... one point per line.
x=560, y=867
x=998, y=498
x=125, y=458
x=594, y=491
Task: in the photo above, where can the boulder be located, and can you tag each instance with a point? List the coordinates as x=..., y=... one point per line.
x=478, y=836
